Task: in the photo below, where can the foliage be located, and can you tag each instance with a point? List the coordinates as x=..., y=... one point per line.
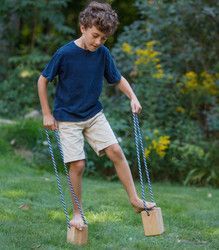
x=4, y=147
x=169, y=55
x=28, y=28
x=27, y=136
x=177, y=86
x=182, y=28
x=30, y=33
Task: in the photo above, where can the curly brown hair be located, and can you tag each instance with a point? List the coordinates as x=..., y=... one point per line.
x=101, y=15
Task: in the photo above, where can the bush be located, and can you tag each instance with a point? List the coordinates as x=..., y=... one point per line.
x=178, y=93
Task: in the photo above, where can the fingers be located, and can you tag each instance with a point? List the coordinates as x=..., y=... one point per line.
x=50, y=123
x=136, y=109
x=136, y=106
x=51, y=127
x=56, y=124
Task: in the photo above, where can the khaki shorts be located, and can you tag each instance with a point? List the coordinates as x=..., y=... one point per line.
x=95, y=130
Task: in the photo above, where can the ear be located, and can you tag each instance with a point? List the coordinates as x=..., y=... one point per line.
x=82, y=29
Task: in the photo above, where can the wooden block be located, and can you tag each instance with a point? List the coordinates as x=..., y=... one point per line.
x=77, y=237
x=153, y=223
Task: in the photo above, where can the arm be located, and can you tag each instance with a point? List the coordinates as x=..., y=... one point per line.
x=48, y=119
x=124, y=86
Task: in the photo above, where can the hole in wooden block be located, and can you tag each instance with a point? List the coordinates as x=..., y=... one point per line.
x=77, y=237
x=153, y=224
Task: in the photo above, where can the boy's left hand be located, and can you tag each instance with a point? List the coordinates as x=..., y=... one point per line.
x=136, y=106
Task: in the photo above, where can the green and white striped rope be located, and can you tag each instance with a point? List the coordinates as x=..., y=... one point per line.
x=139, y=146
x=62, y=198
x=68, y=178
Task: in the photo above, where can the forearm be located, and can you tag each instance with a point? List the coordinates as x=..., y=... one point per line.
x=125, y=87
x=127, y=90
x=42, y=92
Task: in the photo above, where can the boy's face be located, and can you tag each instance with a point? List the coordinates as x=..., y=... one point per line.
x=93, y=38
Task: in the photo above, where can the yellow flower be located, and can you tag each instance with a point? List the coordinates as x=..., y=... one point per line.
x=147, y=152
x=142, y=60
x=191, y=75
x=161, y=145
x=147, y=55
x=154, y=144
x=159, y=74
x=150, y=44
x=158, y=66
x=180, y=110
x=156, y=131
x=127, y=48
x=25, y=73
x=208, y=82
x=191, y=80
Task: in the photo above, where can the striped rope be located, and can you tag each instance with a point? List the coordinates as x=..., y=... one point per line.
x=68, y=177
x=144, y=160
x=58, y=180
x=139, y=143
x=139, y=163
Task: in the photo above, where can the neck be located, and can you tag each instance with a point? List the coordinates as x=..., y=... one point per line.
x=80, y=42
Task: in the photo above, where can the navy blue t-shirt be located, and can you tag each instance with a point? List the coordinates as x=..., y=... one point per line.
x=80, y=79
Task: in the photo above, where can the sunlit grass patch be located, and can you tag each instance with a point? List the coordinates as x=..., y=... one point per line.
x=7, y=216
x=103, y=217
x=56, y=215
x=14, y=193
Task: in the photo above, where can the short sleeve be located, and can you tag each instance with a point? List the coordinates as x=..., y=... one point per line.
x=52, y=68
x=111, y=73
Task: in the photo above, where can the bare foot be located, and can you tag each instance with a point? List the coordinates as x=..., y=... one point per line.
x=138, y=205
x=77, y=222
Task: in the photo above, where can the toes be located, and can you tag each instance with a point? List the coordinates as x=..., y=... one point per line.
x=78, y=226
x=150, y=204
x=73, y=224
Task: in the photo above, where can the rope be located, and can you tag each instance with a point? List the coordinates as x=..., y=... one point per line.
x=58, y=180
x=144, y=160
x=139, y=143
x=139, y=163
x=68, y=178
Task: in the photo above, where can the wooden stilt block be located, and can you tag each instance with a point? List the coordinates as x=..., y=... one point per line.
x=77, y=237
x=153, y=223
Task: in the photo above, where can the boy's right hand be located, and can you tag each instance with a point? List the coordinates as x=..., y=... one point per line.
x=49, y=122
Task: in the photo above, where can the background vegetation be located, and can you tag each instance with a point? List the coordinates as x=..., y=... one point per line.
x=167, y=50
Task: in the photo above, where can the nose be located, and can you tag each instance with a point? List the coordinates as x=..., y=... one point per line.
x=98, y=42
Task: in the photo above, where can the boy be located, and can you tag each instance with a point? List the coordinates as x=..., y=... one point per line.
x=81, y=66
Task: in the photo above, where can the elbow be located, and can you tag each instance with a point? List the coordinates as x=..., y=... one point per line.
x=120, y=82
x=42, y=81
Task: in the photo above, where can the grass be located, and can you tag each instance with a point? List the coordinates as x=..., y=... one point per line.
x=31, y=216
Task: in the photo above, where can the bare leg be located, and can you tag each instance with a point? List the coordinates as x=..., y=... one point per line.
x=115, y=154
x=76, y=170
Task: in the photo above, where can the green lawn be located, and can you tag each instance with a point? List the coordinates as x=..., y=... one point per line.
x=191, y=215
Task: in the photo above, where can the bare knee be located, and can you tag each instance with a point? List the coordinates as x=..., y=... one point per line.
x=77, y=167
x=114, y=152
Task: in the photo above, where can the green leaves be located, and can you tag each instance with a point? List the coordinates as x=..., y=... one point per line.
x=183, y=103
